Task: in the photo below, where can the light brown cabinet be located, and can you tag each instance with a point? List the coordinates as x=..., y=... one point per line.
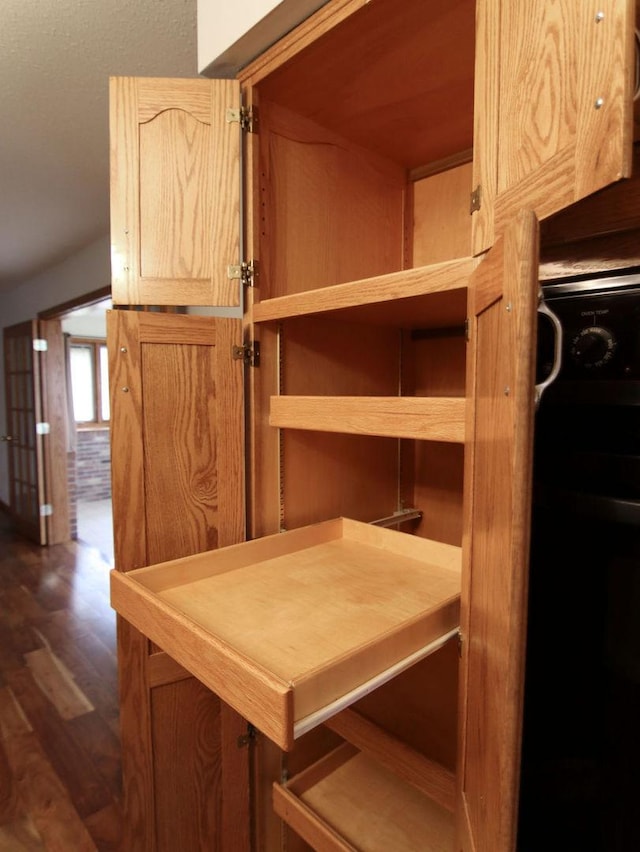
x=396, y=160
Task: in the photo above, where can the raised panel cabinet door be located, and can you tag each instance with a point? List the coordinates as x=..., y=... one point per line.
x=175, y=191
x=498, y=464
x=177, y=435
x=177, y=445
x=553, y=109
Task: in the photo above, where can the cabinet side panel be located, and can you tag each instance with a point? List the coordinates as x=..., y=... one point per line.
x=441, y=217
x=419, y=707
x=135, y=738
x=333, y=475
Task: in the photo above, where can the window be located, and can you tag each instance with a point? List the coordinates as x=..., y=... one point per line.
x=89, y=381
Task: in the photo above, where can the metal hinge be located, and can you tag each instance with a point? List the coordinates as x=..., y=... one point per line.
x=43, y=429
x=459, y=640
x=46, y=510
x=246, y=272
x=246, y=116
x=40, y=345
x=249, y=353
x=476, y=199
x=249, y=737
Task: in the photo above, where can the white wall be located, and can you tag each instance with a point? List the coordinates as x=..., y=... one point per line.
x=231, y=34
x=86, y=271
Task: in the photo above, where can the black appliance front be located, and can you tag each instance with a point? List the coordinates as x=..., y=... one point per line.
x=580, y=781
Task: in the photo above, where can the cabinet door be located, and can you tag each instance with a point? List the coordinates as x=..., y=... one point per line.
x=177, y=481
x=554, y=105
x=503, y=302
x=175, y=191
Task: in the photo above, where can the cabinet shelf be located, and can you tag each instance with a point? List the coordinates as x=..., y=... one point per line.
x=419, y=418
x=291, y=628
x=348, y=801
x=427, y=297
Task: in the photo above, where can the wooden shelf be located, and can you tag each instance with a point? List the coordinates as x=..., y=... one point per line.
x=434, y=780
x=347, y=801
x=291, y=628
x=427, y=297
x=420, y=418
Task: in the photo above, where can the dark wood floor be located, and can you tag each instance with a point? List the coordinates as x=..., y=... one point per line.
x=60, y=786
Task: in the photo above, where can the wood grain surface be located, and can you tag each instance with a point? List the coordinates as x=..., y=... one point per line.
x=60, y=785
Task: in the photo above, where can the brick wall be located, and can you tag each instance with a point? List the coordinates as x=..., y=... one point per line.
x=71, y=483
x=93, y=464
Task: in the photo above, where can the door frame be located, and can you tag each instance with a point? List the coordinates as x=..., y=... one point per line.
x=56, y=408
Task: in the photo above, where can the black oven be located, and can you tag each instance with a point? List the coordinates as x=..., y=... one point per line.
x=580, y=781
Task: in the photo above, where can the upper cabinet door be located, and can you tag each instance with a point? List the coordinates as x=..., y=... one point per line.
x=499, y=455
x=175, y=191
x=553, y=105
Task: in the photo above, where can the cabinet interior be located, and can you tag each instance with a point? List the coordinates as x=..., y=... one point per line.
x=362, y=231
x=356, y=130
x=359, y=193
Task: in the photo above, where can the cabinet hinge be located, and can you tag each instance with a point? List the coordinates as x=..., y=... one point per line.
x=467, y=330
x=40, y=345
x=46, y=510
x=248, y=738
x=246, y=272
x=43, y=429
x=247, y=117
x=249, y=353
x=476, y=199
x=459, y=641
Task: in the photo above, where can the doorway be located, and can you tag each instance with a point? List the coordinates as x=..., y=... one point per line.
x=83, y=324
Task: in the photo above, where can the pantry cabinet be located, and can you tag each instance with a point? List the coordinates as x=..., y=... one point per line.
x=347, y=580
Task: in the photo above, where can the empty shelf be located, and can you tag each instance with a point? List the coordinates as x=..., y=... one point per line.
x=420, y=418
x=347, y=801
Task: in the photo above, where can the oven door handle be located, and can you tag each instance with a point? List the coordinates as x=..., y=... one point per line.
x=540, y=388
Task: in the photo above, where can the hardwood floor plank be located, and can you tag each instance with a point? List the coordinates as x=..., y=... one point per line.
x=101, y=654
x=94, y=734
x=8, y=801
x=41, y=793
x=60, y=754
x=69, y=760
x=101, y=691
x=57, y=683
x=22, y=604
x=105, y=827
x=20, y=836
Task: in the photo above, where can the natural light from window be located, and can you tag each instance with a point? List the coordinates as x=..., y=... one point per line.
x=89, y=381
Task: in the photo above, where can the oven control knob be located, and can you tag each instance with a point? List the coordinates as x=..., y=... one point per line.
x=593, y=347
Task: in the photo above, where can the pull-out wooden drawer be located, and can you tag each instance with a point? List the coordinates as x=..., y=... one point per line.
x=291, y=628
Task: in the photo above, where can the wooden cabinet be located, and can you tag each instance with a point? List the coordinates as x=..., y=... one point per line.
x=397, y=159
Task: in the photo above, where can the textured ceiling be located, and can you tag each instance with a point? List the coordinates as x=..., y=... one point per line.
x=56, y=57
